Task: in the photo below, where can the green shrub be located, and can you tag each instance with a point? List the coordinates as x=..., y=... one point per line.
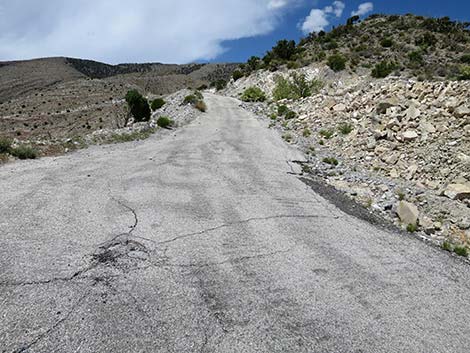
x=284, y=49
x=237, y=74
x=465, y=59
x=416, y=57
x=291, y=115
x=198, y=95
x=383, y=69
x=306, y=132
x=202, y=87
x=426, y=40
x=164, y=122
x=253, y=94
x=24, y=152
x=157, y=103
x=282, y=110
x=284, y=89
x=253, y=64
x=5, y=145
x=330, y=161
x=326, y=133
x=337, y=62
x=464, y=73
x=386, y=42
x=287, y=137
x=303, y=87
x=190, y=99
x=201, y=106
x=219, y=84
x=447, y=246
x=411, y=228
x=345, y=128
x=296, y=87
x=461, y=251
x=138, y=105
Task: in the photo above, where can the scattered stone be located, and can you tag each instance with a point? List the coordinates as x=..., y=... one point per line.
x=407, y=212
x=462, y=111
x=339, y=107
x=410, y=135
x=457, y=191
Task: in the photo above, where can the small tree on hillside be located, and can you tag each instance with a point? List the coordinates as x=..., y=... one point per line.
x=138, y=106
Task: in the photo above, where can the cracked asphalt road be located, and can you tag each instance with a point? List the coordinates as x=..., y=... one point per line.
x=204, y=240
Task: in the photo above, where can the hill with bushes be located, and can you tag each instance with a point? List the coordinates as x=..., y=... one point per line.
x=381, y=45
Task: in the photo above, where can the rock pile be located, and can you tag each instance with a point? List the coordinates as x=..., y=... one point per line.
x=396, y=139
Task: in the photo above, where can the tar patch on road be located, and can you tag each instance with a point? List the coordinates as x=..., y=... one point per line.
x=346, y=204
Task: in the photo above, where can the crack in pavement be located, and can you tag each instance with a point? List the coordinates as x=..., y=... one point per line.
x=108, y=254
x=230, y=224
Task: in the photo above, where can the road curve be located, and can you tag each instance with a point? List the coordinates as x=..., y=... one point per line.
x=203, y=240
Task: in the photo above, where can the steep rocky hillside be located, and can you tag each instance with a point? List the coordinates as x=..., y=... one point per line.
x=399, y=145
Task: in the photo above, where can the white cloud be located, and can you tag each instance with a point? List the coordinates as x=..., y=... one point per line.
x=315, y=22
x=318, y=19
x=363, y=9
x=122, y=31
x=337, y=8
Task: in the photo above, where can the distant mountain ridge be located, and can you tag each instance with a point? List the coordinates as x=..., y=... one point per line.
x=18, y=78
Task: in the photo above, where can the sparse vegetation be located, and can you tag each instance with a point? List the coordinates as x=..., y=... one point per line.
x=201, y=106
x=411, y=228
x=287, y=137
x=164, y=122
x=345, y=128
x=461, y=251
x=190, y=99
x=337, y=62
x=253, y=94
x=133, y=136
x=326, y=133
x=464, y=73
x=138, y=106
x=24, y=152
x=386, y=42
x=5, y=145
x=290, y=115
x=282, y=110
x=157, y=103
x=237, y=74
x=383, y=69
x=219, y=84
x=447, y=246
x=331, y=161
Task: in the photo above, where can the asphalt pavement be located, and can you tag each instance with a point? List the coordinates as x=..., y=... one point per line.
x=204, y=239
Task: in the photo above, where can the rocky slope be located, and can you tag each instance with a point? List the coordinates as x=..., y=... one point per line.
x=398, y=146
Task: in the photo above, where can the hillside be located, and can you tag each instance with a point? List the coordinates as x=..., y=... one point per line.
x=399, y=145
x=407, y=46
x=66, y=98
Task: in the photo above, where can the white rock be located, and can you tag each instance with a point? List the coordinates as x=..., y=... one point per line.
x=410, y=135
x=339, y=107
x=457, y=191
x=427, y=127
x=412, y=112
x=407, y=212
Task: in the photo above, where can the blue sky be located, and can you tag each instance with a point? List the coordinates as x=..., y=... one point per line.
x=240, y=50
x=181, y=31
